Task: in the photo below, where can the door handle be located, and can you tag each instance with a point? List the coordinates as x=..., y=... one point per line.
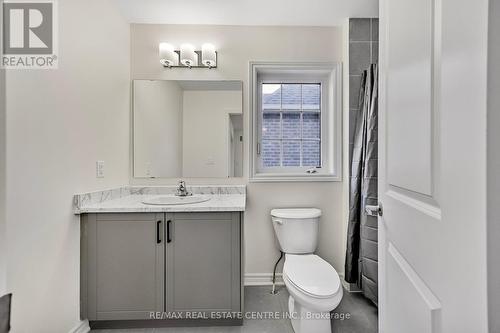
x=169, y=236
x=374, y=210
x=158, y=233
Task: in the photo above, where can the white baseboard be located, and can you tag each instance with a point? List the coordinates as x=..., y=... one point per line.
x=82, y=327
x=350, y=287
x=262, y=279
x=345, y=284
x=266, y=279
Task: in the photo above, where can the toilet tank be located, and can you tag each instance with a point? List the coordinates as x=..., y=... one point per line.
x=296, y=229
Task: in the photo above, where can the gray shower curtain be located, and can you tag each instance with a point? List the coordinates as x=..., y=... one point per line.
x=361, y=258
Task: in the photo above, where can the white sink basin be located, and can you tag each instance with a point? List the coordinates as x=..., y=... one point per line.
x=175, y=200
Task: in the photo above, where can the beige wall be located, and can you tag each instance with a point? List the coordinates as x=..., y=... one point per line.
x=493, y=166
x=59, y=122
x=237, y=45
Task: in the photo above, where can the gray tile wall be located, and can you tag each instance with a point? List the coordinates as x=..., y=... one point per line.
x=363, y=50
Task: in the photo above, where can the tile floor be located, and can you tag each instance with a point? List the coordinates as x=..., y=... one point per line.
x=363, y=316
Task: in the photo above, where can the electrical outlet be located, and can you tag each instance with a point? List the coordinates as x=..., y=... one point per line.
x=99, y=169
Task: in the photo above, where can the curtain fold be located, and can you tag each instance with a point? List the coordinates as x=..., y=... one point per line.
x=361, y=264
x=5, y=304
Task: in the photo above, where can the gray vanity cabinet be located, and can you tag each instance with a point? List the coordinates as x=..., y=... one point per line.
x=134, y=264
x=122, y=265
x=203, y=262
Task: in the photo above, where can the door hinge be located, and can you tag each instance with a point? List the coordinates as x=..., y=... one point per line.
x=258, y=148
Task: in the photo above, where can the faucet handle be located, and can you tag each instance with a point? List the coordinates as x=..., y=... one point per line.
x=182, y=189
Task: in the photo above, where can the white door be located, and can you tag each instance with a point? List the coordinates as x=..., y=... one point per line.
x=432, y=238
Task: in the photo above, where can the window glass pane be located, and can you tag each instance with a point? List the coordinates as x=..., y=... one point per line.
x=311, y=96
x=291, y=153
x=291, y=125
x=311, y=125
x=311, y=153
x=271, y=96
x=271, y=125
x=271, y=153
x=291, y=96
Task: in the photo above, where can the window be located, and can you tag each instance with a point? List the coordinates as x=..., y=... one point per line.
x=295, y=123
x=291, y=125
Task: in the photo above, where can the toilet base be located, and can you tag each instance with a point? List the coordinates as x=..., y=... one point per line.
x=307, y=321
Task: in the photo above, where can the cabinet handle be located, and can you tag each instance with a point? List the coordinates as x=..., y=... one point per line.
x=158, y=235
x=169, y=237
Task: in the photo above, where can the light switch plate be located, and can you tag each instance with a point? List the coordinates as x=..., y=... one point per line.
x=99, y=169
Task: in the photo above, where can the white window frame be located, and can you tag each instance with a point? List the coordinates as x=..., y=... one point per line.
x=330, y=77
x=293, y=79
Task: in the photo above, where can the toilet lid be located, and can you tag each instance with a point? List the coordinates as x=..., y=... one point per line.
x=312, y=275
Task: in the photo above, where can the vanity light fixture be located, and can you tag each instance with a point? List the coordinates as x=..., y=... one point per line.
x=208, y=55
x=168, y=56
x=188, y=56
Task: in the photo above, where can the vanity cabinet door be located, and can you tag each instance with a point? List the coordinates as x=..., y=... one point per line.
x=203, y=262
x=125, y=265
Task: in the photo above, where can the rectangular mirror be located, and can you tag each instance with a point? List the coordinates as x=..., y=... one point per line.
x=187, y=129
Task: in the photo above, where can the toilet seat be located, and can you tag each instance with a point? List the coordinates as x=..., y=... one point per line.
x=311, y=275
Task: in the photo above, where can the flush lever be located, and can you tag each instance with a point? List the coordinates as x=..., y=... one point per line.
x=278, y=221
x=374, y=210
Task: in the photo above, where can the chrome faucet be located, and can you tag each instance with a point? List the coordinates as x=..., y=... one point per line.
x=182, y=189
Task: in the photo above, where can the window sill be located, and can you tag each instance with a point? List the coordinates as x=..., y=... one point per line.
x=293, y=178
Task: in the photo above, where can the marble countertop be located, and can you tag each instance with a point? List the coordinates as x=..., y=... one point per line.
x=128, y=199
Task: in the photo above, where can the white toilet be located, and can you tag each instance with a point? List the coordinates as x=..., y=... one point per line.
x=313, y=284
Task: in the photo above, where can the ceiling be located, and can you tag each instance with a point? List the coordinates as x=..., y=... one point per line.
x=247, y=12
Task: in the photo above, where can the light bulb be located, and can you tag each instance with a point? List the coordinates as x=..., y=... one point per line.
x=208, y=55
x=168, y=56
x=189, y=58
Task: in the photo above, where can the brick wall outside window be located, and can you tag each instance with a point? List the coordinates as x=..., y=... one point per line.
x=291, y=125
